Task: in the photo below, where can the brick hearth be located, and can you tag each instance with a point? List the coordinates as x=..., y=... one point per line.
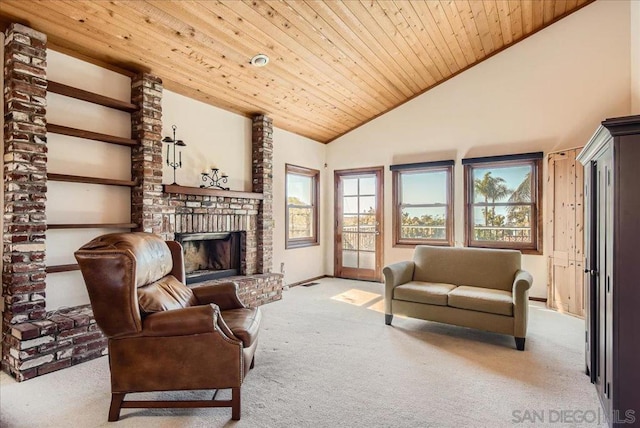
x=36, y=342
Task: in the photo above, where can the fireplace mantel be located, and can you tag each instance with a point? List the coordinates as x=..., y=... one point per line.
x=184, y=190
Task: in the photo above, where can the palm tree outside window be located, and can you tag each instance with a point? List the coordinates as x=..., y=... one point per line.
x=503, y=199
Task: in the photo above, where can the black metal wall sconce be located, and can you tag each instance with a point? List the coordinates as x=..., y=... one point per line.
x=173, y=164
x=214, y=179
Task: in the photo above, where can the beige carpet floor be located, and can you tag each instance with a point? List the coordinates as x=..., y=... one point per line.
x=326, y=359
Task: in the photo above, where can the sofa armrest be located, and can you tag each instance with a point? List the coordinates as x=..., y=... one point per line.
x=521, y=285
x=398, y=273
x=181, y=322
x=395, y=274
x=224, y=295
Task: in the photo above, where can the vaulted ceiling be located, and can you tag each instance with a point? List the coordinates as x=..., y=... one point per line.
x=334, y=65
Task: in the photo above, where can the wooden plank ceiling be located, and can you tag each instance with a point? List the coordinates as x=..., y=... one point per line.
x=334, y=64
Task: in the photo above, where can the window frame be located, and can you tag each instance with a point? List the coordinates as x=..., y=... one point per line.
x=397, y=171
x=314, y=174
x=534, y=160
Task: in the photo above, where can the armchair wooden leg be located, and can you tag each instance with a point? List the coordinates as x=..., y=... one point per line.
x=114, y=409
x=520, y=343
x=253, y=362
x=388, y=318
x=235, y=404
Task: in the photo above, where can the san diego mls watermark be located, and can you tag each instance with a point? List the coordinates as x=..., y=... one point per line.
x=570, y=416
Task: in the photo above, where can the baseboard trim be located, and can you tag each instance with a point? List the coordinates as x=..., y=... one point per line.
x=538, y=299
x=295, y=284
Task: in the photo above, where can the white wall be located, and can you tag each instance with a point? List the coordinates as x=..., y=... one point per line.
x=75, y=202
x=300, y=264
x=547, y=93
x=218, y=137
x=213, y=137
x=635, y=57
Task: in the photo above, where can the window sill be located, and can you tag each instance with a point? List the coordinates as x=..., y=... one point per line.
x=294, y=245
x=527, y=251
x=412, y=244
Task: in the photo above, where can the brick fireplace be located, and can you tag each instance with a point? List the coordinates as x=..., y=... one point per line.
x=213, y=255
x=204, y=213
x=36, y=342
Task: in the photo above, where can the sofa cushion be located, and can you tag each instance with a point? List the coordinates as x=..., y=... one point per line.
x=165, y=294
x=480, y=267
x=482, y=299
x=432, y=293
x=244, y=323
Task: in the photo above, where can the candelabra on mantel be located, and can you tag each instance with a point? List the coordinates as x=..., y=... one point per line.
x=173, y=164
x=212, y=179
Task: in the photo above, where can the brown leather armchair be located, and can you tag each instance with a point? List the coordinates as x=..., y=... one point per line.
x=163, y=335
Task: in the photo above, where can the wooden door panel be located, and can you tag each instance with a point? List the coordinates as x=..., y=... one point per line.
x=359, y=231
x=565, y=232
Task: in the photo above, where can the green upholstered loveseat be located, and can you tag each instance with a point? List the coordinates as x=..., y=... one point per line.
x=470, y=287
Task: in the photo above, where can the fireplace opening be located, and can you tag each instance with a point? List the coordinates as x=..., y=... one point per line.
x=210, y=255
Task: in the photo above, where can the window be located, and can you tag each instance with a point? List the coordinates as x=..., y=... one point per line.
x=302, y=206
x=503, y=202
x=422, y=201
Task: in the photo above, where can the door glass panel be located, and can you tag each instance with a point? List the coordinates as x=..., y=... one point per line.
x=367, y=242
x=368, y=185
x=367, y=260
x=367, y=223
x=350, y=259
x=359, y=225
x=350, y=232
x=349, y=186
x=350, y=204
x=368, y=204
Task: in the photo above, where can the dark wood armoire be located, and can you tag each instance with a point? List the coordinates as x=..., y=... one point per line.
x=611, y=162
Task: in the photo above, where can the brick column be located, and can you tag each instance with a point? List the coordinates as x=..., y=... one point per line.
x=262, y=173
x=25, y=187
x=149, y=208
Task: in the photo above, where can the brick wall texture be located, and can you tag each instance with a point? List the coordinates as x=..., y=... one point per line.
x=262, y=175
x=36, y=342
x=148, y=203
x=197, y=214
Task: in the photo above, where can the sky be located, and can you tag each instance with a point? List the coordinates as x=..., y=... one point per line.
x=423, y=188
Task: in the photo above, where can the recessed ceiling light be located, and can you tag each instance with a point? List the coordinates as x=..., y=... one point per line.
x=259, y=60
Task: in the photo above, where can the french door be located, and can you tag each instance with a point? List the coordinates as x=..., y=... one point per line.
x=358, y=224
